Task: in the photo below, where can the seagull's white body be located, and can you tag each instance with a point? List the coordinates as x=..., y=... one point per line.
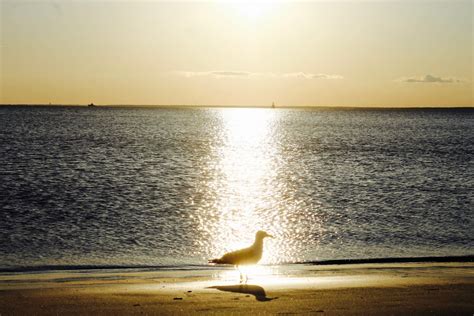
x=246, y=256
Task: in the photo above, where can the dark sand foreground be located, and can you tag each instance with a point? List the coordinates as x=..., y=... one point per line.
x=377, y=289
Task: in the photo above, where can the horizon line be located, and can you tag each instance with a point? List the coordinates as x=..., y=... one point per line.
x=237, y=106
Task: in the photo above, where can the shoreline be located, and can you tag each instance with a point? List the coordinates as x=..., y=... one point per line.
x=369, y=288
x=426, y=259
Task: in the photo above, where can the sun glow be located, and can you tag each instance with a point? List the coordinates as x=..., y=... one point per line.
x=255, y=273
x=253, y=10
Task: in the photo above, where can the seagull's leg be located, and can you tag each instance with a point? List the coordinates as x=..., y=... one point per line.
x=241, y=276
x=246, y=278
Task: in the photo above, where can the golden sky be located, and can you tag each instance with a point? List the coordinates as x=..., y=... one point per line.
x=313, y=53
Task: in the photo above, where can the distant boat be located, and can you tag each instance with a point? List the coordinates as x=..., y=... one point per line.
x=92, y=104
x=273, y=105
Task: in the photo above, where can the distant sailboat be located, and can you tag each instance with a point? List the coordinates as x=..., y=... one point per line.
x=92, y=104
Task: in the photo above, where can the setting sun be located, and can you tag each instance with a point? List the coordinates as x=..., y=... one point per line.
x=254, y=10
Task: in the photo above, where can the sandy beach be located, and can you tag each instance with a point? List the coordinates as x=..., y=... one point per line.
x=401, y=288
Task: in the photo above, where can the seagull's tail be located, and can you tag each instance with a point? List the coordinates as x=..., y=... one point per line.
x=215, y=261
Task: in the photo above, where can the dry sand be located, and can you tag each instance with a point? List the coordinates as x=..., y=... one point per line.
x=422, y=288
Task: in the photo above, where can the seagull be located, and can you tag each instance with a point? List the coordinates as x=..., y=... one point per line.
x=246, y=256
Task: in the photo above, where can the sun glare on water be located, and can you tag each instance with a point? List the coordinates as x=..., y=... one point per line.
x=245, y=162
x=255, y=273
x=247, y=191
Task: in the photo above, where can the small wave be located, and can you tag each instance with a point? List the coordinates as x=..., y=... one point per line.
x=129, y=268
x=469, y=258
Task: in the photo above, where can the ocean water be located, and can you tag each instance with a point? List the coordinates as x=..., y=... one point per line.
x=171, y=186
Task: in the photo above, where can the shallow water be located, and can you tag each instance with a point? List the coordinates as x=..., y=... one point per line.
x=117, y=186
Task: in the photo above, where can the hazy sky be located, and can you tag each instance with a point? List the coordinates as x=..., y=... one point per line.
x=322, y=53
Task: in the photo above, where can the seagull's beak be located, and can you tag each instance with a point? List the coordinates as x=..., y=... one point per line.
x=268, y=235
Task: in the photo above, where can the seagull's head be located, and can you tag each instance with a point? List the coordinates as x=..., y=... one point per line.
x=261, y=234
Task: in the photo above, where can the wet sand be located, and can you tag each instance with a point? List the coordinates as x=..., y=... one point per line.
x=410, y=288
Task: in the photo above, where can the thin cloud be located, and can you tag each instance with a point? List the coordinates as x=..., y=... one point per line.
x=429, y=79
x=189, y=74
x=245, y=74
x=306, y=75
x=230, y=73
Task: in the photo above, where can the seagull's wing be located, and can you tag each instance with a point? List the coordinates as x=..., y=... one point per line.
x=236, y=257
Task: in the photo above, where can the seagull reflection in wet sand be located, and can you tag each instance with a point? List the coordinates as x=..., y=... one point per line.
x=246, y=256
